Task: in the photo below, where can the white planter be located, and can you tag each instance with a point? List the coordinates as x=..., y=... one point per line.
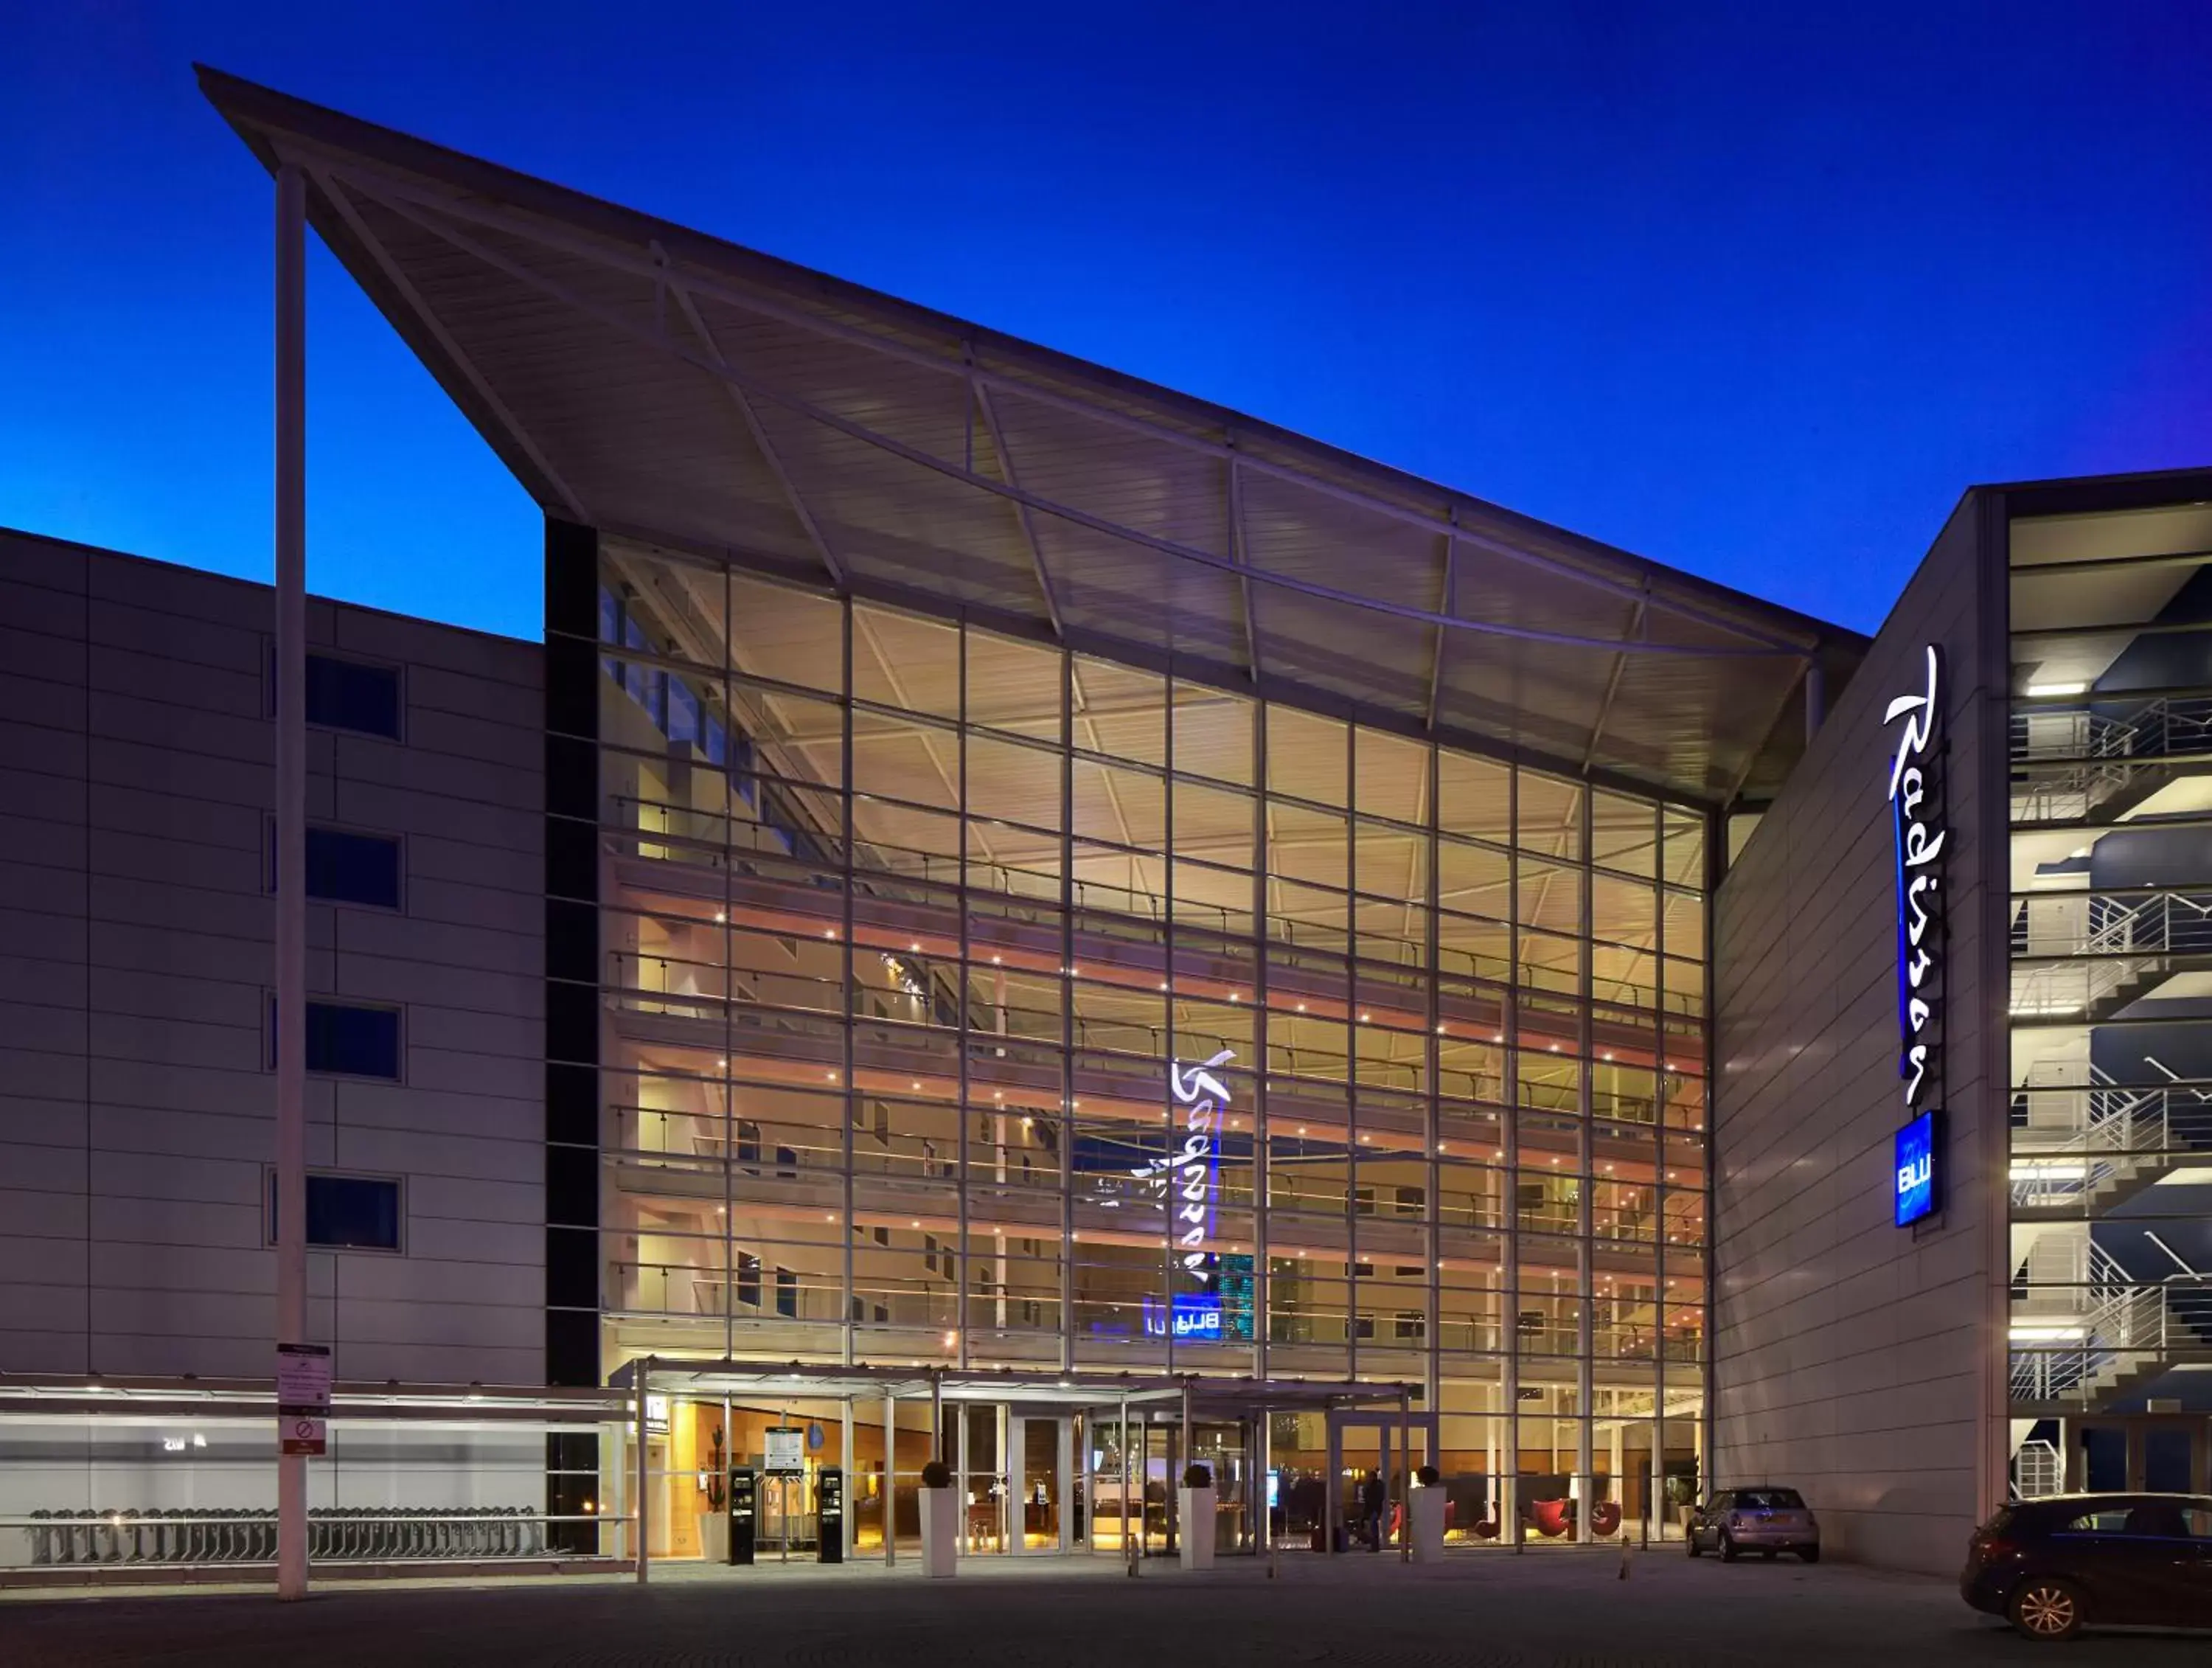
x=1428, y=1506
x=940, y=1530
x=715, y=1538
x=1194, y=1541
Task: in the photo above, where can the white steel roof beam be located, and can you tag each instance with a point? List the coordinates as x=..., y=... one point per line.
x=1636, y=621
x=439, y=334
x=983, y=398
x=1241, y=551
x=1443, y=606
x=768, y=453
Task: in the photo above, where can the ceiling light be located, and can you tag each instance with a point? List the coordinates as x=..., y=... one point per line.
x=2059, y=689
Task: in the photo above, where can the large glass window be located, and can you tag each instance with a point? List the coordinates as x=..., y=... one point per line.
x=969, y=1002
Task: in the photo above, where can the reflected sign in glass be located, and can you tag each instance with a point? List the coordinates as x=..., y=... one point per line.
x=1915, y=1171
x=1195, y=1315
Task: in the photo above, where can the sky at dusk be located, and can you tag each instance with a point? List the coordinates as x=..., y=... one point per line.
x=1755, y=290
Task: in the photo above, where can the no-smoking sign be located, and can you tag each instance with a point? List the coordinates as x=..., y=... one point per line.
x=303, y=1436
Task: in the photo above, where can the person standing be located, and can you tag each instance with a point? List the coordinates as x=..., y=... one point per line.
x=1372, y=1499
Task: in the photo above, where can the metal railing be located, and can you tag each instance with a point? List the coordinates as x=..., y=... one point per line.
x=2116, y=941
x=2056, y=1167
x=2077, y=1341
x=92, y=1537
x=682, y=834
x=2067, y=762
x=2072, y=1143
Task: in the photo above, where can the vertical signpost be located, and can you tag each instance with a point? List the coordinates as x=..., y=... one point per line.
x=291, y=946
x=1917, y=810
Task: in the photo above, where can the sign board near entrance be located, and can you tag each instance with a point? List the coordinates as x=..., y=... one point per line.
x=785, y=1451
x=1915, y=1153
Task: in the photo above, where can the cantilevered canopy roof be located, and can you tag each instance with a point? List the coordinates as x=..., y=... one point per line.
x=661, y=384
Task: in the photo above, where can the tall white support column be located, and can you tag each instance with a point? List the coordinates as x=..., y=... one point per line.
x=643, y=1369
x=890, y=1478
x=845, y=1457
x=1063, y=1484
x=960, y=1469
x=1128, y=1551
x=1263, y=1473
x=1014, y=1461
x=291, y=968
x=1405, y=1475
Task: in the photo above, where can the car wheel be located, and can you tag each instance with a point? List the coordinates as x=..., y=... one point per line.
x=1811, y=1555
x=2045, y=1607
x=1690, y=1541
x=1728, y=1548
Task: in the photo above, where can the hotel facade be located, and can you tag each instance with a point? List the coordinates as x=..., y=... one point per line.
x=1020, y=918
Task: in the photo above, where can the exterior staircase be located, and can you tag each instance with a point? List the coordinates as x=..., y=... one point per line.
x=2086, y=766
x=2079, y=1149
x=2086, y=1346
x=2087, y=958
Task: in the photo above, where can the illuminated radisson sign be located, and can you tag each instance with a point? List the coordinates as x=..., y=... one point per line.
x=1192, y=1178
x=1916, y=802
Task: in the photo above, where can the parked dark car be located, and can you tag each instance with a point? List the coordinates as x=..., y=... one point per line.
x=2053, y=1567
x=1766, y=1520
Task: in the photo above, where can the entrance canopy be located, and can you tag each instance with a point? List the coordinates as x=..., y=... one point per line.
x=682, y=392
x=1209, y=1397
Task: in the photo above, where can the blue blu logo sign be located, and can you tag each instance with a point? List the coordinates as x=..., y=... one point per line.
x=1915, y=1174
x=1195, y=1315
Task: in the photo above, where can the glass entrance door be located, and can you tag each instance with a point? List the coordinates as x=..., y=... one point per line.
x=1043, y=1451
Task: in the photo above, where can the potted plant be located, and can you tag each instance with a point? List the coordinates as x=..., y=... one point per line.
x=940, y=1519
x=1426, y=1508
x=714, y=1526
x=1195, y=1511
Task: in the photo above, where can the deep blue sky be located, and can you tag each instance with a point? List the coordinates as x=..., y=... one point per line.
x=1752, y=289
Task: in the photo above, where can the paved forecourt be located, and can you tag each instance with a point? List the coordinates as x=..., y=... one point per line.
x=1556, y=1610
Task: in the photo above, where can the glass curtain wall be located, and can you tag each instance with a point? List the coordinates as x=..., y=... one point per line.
x=2111, y=921
x=970, y=1001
